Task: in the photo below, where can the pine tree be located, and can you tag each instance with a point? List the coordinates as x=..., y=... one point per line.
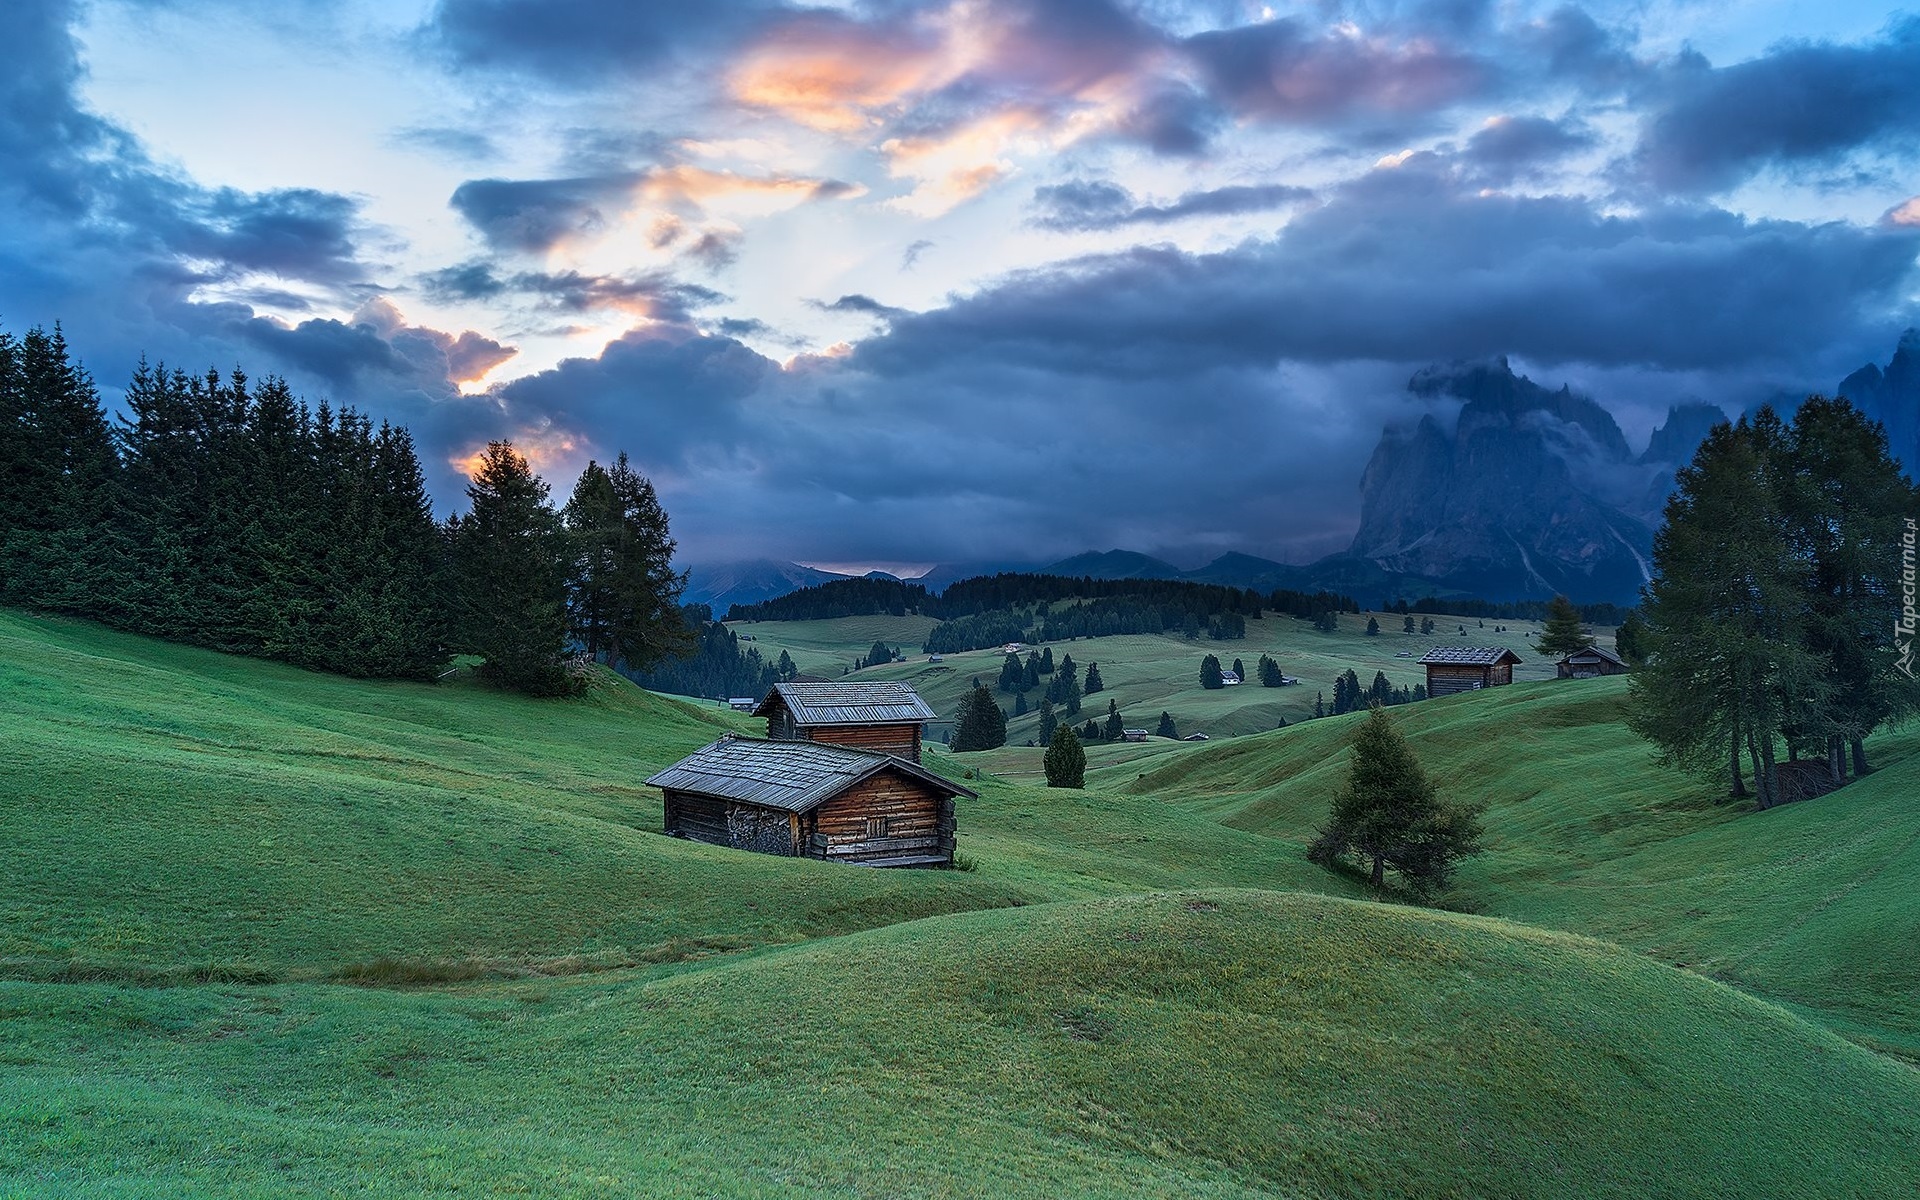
x=1011, y=673
x=1373, y=627
x=1239, y=670
x=1020, y=704
x=1426, y=626
x=1166, y=728
x=1065, y=762
x=1046, y=661
x=1388, y=814
x=1210, y=673
x=1047, y=721
x=1562, y=633
x=1406, y=624
x=980, y=725
x=1094, y=682
x=1270, y=673
x=1115, y=728
x=1629, y=640
x=509, y=558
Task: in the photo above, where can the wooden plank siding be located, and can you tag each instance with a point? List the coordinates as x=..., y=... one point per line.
x=886, y=816
x=902, y=740
x=1444, y=679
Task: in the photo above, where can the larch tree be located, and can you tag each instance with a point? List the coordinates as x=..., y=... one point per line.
x=1562, y=632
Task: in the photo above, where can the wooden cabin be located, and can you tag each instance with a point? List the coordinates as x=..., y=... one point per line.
x=879, y=717
x=1453, y=669
x=1591, y=663
x=814, y=800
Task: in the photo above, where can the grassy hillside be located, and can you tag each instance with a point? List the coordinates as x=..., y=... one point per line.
x=1203, y=1044
x=830, y=647
x=1149, y=674
x=1587, y=832
x=1119, y=1000
x=174, y=812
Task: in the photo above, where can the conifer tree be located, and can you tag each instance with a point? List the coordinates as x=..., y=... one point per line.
x=1094, y=682
x=1562, y=633
x=1270, y=673
x=1115, y=728
x=1210, y=673
x=1012, y=673
x=1239, y=670
x=1047, y=721
x=1046, y=661
x=509, y=558
x=1388, y=814
x=1166, y=728
x=980, y=724
x=1066, y=761
x=1373, y=627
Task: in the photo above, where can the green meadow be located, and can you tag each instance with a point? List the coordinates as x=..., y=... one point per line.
x=268, y=932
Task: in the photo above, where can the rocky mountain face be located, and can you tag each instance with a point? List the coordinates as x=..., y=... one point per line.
x=1891, y=395
x=1529, y=492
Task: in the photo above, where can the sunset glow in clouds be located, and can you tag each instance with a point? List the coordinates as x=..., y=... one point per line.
x=878, y=281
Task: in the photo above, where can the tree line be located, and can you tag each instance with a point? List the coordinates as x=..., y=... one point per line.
x=228, y=514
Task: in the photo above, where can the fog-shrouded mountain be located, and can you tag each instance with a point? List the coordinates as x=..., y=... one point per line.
x=1529, y=492
x=1891, y=395
x=721, y=585
x=1114, y=564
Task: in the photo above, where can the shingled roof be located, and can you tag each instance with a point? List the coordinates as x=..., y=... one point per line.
x=878, y=703
x=790, y=776
x=1470, y=656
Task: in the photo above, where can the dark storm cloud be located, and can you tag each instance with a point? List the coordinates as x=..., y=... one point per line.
x=1093, y=204
x=1414, y=263
x=1799, y=106
x=534, y=215
x=577, y=42
x=1510, y=148
x=1286, y=71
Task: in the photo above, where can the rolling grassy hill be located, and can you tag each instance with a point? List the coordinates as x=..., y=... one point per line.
x=1136, y=993
x=1149, y=674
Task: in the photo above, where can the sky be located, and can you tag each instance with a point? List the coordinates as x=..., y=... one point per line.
x=883, y=282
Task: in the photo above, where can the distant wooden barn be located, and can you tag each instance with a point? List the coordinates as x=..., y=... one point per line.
x=1453, y=669
x=838, y=778
x=1591, y=663
x=809, y=799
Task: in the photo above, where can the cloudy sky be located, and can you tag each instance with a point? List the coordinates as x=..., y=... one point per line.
x=895, y=282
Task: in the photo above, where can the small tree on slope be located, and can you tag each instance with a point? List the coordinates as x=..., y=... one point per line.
x=1388, y=814
x=1066, y=762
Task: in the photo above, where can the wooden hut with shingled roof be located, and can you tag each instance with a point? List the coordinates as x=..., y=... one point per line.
x=838, y=778
x=1453, y=669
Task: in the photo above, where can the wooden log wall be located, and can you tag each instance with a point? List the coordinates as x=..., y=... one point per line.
x=1445, y=679
x=918, y=820
x=902, y=739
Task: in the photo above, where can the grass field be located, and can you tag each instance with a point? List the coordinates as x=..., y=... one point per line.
x=1142, y=990
x=830, y=647
x=1151, y=674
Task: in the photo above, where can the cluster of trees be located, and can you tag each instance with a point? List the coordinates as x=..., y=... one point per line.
x=840, y=598
x=1773, y=618
x=879, y=655
x=1388, y=813
x=1511, y=610
x=1350, y=696
x=1269, y=672
x=220, y=514
x=227, y=514
x=717, y=666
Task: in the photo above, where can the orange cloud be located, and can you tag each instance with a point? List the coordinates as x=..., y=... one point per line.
x=831, y=74
x=1907, y=214
x=541, y=448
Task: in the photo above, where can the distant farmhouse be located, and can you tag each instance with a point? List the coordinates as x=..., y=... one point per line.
x=838, y=778
x=1453, y=669
x=1591, y=662
x=1229, y=678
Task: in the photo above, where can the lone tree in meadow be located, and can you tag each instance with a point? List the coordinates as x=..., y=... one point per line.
x=1066, y=762
x=1210, y=673
x=1167, y=728
x=1373, y=627
x=1116, y=726
x=1388, y=814
x=1270, y=675
x=1562, y=633
x=981, y=725
x=1094, y=682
